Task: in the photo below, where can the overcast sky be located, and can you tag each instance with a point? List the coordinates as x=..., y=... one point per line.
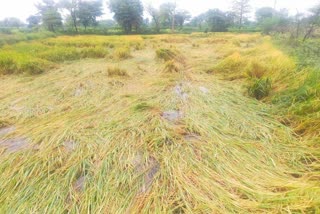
x=23, y=8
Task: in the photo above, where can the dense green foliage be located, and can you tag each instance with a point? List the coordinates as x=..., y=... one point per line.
x=51, y=18
x=128, y=13
x=82, y=18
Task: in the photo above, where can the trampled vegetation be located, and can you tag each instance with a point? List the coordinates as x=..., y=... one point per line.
x=200, y=123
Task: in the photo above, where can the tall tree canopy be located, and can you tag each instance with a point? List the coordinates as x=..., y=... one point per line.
x=167, y=13
x=83, y=12
x=313, y=21
x=217, y=20
x=181, y=17
x=264, y=13
x=50, y=16
x=128, y=13
x=156, y=17
x=33, y=21
x=11, y=22
x=240, y=9
x=89, y=11
x=72, y=7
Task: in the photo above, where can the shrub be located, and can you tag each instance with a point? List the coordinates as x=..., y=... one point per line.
x=122, y=53
x=260, y=88
x=116, y=71
x=171, y=67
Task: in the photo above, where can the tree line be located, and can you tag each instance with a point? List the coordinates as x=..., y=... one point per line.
x=129, y=15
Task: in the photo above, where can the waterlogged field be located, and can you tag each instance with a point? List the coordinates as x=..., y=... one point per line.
x=200, y=123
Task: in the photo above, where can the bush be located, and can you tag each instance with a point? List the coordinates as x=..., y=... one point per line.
x=260, y=88
x=122, y=53
x=116, y=71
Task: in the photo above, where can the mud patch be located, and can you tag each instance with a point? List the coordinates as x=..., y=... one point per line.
x=70, y=145
x=172, y=115
x=15, y=144
x=148, y=170
x=78, y=92
x=7, y=130
x=79, y=184
x=179, y=91
x=191, y=137
x=154, y=167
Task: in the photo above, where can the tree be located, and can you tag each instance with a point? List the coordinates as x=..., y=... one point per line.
x=313, y=21
x=181, y=17
x=217, y=20
x=50, y=16
x=89, y=11
x=264, y=13
x=11, y=22
x=33, y=21
x=240, y=9
x=280, y=22
x=156, y=17
x=198, y=21
x=72, y=7
x=168, y=12
x=128, y=13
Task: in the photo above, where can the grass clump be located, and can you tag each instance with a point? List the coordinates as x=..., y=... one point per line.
x=13, y=63
x=259, y=88
x=194, y=45
x=233, y=63
x=7, y=64
x=122, y=53
x=97, y=52
x=3, y=124
x=256, y=69
x=116, y=71
x=166, y=54
x=34, y=66
x=171, y=67
x=60, y=54
x=142, y=107
x=138, y=46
